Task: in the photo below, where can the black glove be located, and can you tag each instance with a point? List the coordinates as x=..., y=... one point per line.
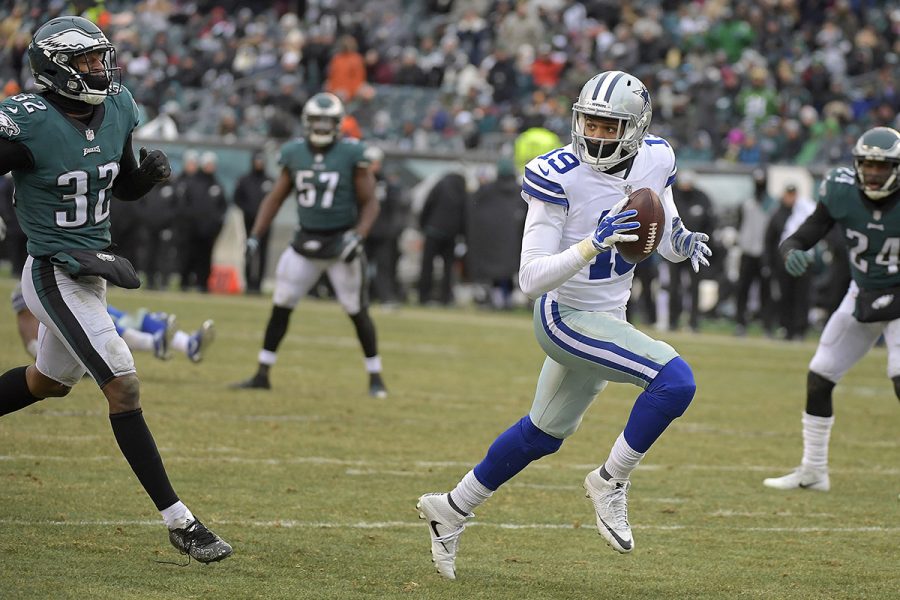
x=154, y=165
x=251, y=249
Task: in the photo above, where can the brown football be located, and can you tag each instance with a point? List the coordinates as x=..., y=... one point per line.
x=651, y=216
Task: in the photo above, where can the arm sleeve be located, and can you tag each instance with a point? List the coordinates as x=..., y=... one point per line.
x=665, y=244
x=814, y=228
x=14, y=156
x=130, y=184
x=544, y=267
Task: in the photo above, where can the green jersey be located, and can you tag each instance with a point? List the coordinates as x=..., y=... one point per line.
x=326, y=191
x=63, y=201
x=872, y=229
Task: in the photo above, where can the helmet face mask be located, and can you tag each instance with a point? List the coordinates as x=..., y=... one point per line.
x=619, y=100
x=72, y=57
x=878, y=145
x=321, y=119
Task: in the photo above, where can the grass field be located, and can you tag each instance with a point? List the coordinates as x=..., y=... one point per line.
x=314, y=483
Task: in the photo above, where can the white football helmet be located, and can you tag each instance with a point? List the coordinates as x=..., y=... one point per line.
x=611, y=95
x=321, y=119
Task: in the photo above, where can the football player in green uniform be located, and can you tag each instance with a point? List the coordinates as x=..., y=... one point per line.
x=336, y=207
x=866, y=204
x=69, y=150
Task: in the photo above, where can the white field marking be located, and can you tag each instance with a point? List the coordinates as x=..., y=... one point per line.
x=339, y=341
x=63, y=438
x=68, y=413
x=786, y=513
x=265, y=418
x=874, y=470
x=875, y=444
x=694, y=427
x=372, y=467
x=293, y=524
x=353, y=472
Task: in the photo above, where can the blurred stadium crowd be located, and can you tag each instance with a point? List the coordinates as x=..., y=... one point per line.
x=770, y=81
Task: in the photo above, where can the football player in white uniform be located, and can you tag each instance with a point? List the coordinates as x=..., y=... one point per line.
x=581, y=285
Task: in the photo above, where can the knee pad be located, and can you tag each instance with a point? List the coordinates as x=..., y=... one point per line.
x=672, y=390
x=537, y=443
x=818, y=395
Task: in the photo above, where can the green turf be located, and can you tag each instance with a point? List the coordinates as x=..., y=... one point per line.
x=314, y=483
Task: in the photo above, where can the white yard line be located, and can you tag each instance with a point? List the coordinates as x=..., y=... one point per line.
x=381, y=467
x=294, y=524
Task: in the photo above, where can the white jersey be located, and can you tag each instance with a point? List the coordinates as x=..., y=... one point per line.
x=566, y=200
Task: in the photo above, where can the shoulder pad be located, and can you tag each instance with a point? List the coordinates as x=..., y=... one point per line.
x=836, y=179
x=18, y=112
x=9, y=129
x=544, y=175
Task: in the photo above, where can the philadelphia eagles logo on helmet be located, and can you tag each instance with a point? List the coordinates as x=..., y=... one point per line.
x=8, y=127
x=53, y=52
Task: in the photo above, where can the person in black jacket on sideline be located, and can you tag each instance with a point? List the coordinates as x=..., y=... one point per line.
x=248, y=195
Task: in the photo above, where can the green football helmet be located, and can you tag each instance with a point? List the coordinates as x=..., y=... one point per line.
x=321, y=119
x=52, y=54
x=881, y=144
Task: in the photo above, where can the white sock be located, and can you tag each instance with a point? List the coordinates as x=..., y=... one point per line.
x=622, y=459
x=266, y=357
x=177, y=516
x=373, y=364
x=816, y=433
x=180, y=341
x=469, y=493
x=138, y=340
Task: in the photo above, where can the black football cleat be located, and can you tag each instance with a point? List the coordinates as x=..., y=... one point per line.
x=257, y=382
x=199, y=543
x=376, y=386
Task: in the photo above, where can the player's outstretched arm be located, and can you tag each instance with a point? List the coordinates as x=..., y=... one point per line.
x=690, y=244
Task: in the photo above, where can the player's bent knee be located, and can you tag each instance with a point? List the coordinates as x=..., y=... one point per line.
x=123, y=393
x=673, y=388
x=41, y=386
x=538, y=443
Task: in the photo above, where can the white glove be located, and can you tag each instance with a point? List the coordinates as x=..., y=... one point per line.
x=690, y=244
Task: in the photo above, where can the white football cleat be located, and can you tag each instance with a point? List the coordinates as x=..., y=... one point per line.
x=200, y=340
x=610, y=499
x=802, y=478
x=445, y=524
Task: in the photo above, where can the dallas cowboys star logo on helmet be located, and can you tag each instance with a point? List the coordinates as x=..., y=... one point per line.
x=645, y=96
